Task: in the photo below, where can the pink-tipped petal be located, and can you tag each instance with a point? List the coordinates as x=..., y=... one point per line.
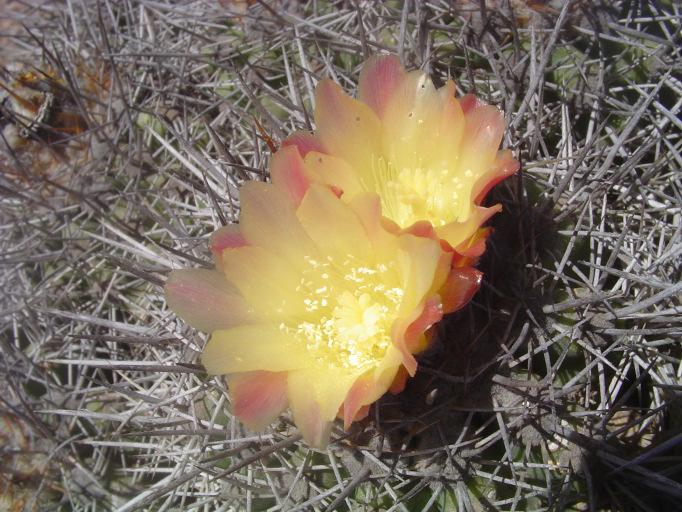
x=258, y=397
x=461, y=285
x=423, y=229
x=362, y=413
x=227, y=237
x=305, y=142
x=288, y=173
x=368, y=388
x=356, y=399
x=505, y=165
x=475, y=246
x=399, y=381
x=468, y=253
x=422, y=126
x=443, y=269
x=485, y=126
x=205, y=299
x=456, y=233
x=420, y=259
x=408, y=360
x=347, y=128
x=468, y=102
x=431, y=313
x=379, y=78
x=483, y=135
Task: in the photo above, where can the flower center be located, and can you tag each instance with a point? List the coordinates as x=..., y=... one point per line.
x=411, y=194
x=351, y=311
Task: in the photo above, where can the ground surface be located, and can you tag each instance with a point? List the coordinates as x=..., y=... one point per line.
x=557, y=388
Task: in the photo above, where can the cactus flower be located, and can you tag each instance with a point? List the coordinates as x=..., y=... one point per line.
x=429, y=156
x=314, y=305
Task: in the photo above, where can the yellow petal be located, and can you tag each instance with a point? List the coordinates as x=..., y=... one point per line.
x=410, y=122
x=264, y=280
x=419, y=259
x=333, y=226
x=334, y=172
x=450, y=129
x=268, y=220
x=306, y=412
x=205, y=299
x=248, y=348
x=315, y=395
x=367, y=206
x=347, y=128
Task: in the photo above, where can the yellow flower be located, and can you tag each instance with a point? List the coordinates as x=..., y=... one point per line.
x=315, y=305
x=429, y=156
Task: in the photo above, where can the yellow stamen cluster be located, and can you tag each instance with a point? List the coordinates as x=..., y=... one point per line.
x=411, y=194
x=350, y=311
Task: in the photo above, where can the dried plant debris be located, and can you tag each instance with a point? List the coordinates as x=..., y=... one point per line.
x=557, y=388
x=49, y=127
